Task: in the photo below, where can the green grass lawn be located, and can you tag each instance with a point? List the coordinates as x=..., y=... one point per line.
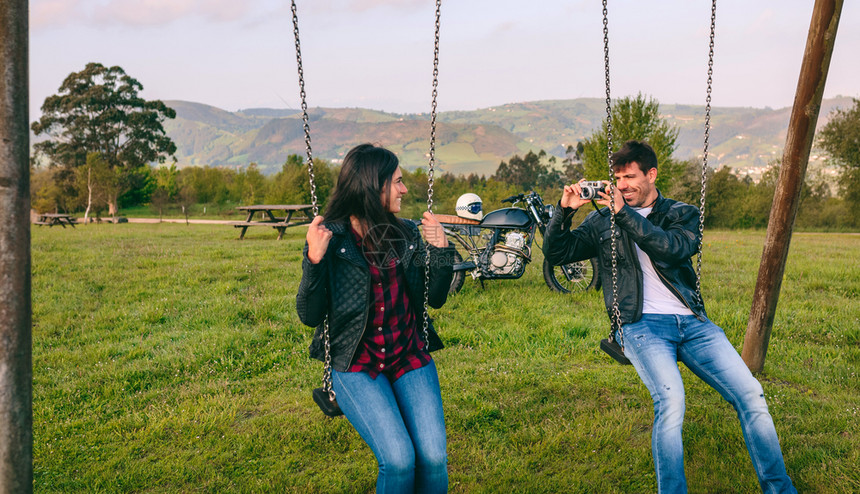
x=169, y=358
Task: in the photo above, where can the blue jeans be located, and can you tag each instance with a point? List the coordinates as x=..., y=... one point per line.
x=402, y=422
x=654, y=344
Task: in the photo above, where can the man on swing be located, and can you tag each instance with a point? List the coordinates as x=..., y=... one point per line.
x=661, y=314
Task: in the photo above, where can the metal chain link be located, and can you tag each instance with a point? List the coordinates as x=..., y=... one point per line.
x=311, y=179
x=430, y=170
x=306, y=125
x=616, y=312
x=705, y=153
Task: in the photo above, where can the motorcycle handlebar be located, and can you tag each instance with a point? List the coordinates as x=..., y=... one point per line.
x=518, y=197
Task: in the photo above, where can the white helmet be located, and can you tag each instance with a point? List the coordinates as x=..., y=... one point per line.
x=469, y=206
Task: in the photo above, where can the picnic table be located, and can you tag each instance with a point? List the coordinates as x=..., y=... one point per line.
x=278, y=217
x=52, y=219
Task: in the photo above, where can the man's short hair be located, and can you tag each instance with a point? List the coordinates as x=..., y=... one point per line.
x=635, y=151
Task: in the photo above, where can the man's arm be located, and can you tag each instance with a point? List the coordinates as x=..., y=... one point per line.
x=562, y=246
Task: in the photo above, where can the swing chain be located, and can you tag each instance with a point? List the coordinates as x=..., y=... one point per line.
x=326, y=337
x=616, y=312
x=430, y=167
x=305, y=119
x=705, y=152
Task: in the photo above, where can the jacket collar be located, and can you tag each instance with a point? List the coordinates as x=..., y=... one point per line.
x=660, y=204
x=344, y=246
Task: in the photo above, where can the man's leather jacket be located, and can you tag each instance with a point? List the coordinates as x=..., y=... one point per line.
x=340, y=284
x=669, y=236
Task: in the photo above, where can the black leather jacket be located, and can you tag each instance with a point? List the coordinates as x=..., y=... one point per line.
x=340, y=285
x=669, y=236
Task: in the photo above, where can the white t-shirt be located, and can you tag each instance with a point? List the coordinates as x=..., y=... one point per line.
x=657, y=299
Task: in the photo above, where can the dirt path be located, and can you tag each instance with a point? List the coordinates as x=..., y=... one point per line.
x=180, y=220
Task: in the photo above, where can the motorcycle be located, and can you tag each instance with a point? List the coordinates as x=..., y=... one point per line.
x=498, y=245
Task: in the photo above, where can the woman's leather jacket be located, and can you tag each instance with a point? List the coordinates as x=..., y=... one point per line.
x=340, y=286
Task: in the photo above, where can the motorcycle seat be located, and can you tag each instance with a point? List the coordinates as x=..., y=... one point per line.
x=455, y=220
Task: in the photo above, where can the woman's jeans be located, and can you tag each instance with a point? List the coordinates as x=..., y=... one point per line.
x=654, y=344
x=402, y=422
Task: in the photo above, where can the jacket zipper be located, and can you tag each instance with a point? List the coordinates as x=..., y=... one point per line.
x=366, y=312
x=366, y=315
x=677, y=293
x=671, y=286
x=641, y=291
x=363, y=328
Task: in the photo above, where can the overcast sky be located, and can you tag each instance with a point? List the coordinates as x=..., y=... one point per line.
x=378, y=53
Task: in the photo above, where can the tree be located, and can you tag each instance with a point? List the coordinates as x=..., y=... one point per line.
x=165, y=178
x=687, y=186
x=291, y=185
x=158, y=201
x=529, y=172
x=639, y=119
x=574, y=171
x=99, y=110
x=725, y=200
x=187, y=198
x=841, y=138
x=96, y=180
x=251, y=185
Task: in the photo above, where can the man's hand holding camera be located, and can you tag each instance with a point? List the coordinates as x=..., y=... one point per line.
x=576, y=195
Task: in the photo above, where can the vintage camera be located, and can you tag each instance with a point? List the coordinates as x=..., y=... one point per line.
x=590, y=189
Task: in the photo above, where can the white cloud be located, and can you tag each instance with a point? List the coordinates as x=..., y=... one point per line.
x=57, y=13
x=142, y=12
x=362, y=5
x=46, y=13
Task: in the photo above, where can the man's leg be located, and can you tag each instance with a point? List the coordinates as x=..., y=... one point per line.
x=371, y=408
x=710, y=355
x=651, y=346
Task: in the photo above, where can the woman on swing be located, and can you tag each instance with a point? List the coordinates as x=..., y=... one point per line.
x=364, y=268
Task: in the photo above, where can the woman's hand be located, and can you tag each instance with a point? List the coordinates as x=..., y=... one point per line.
x=434, y=233
x=318, y=238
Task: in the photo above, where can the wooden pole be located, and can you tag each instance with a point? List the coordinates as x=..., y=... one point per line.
x=801, y=132
x=16, y=371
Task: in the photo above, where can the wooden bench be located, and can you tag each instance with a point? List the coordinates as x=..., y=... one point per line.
x=269, y=218
x=51, y=219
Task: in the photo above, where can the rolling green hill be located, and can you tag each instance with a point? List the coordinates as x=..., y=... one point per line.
x=467, y=141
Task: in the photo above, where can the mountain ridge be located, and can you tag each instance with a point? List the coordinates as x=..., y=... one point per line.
x=466, y=141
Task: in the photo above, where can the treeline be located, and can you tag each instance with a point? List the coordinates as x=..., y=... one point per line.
x=731, y=202
x=101, y=139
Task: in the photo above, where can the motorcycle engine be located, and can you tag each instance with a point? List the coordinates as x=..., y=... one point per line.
x=507, y=257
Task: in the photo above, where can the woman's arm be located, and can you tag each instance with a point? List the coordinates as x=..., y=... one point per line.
x=312, y=298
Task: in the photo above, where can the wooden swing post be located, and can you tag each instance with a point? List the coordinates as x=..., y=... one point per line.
x=801, y=132
x=16, y=371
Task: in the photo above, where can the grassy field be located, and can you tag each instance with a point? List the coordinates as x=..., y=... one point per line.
x=169, y=358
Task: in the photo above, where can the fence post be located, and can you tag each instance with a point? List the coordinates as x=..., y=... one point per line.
x=16, y=372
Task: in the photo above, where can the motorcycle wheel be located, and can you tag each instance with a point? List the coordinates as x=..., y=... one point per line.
x=583, y=276
x=459, y=276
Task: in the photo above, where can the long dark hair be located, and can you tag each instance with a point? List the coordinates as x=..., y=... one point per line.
x=364, y=176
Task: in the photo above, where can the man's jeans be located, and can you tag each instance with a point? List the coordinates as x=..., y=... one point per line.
x=402, y=422
x=654, y=344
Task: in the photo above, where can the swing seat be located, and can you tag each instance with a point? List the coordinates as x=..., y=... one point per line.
x=613, y=349
x=455, y=220
x=328, y=406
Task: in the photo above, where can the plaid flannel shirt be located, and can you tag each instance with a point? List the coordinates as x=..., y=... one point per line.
x=391, y=344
